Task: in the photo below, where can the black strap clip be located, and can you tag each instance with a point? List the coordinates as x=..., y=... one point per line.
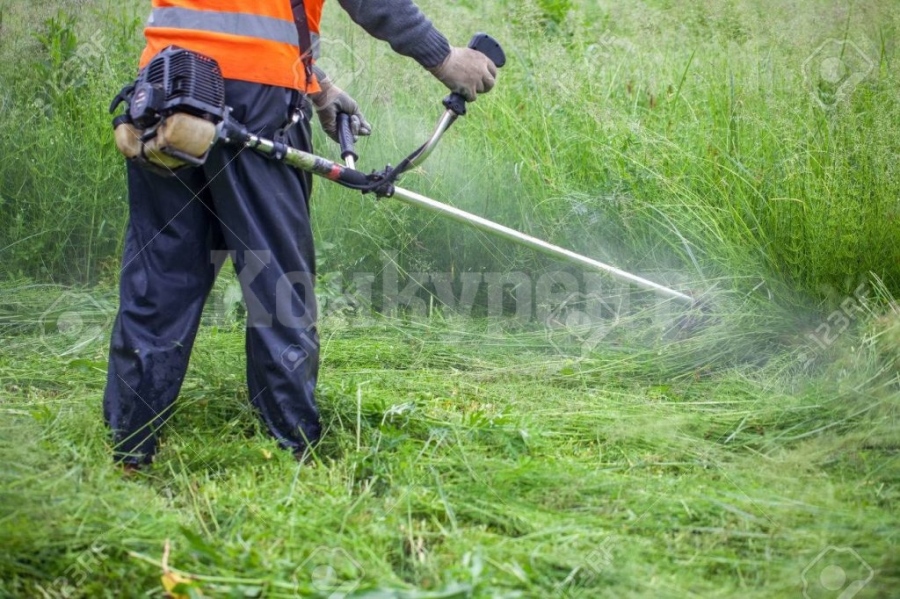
x=381, y=183
x=295, y=113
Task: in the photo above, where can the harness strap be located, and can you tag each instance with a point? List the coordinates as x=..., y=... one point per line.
x=307, y=50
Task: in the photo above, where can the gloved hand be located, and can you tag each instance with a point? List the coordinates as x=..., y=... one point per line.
x=331, y=101
x=467, y=72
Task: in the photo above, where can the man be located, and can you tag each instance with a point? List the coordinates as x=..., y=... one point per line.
x=243, y=205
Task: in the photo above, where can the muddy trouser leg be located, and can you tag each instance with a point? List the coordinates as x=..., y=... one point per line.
x=264, y=211
x=255, y=209
x=165, y=278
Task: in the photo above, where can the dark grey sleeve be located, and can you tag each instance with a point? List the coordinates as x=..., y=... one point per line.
x=403, y=26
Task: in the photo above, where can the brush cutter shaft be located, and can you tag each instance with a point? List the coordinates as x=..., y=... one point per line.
x=483, y=224
x=300, y=159
x=355, y=179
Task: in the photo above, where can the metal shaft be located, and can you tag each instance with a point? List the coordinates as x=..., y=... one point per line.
x=331, y=170
x=483, y=224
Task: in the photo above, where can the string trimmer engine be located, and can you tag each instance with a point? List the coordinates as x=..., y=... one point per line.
x=172, y=110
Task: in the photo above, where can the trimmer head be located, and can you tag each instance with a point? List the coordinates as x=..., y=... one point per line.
x=700, y=314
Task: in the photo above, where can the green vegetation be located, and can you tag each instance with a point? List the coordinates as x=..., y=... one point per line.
x=458, y=461
x=710, y=145
x=670, y=135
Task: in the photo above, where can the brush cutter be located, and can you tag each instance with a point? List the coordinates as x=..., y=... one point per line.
x=176, y=112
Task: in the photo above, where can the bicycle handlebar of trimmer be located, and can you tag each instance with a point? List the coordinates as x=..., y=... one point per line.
x=454, y=103
x=490, y=48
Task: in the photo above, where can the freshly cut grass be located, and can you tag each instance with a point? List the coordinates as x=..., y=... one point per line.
x=456, y=462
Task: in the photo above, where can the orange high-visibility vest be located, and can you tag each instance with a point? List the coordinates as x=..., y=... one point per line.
x=252, y=40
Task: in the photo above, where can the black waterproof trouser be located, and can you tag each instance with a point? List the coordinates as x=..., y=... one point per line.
x=256, y=211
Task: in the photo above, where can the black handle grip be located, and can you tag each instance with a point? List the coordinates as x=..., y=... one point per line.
x=345, y=137
x=490, y=48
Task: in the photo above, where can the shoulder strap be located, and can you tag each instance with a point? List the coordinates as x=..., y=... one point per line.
x=305, y=36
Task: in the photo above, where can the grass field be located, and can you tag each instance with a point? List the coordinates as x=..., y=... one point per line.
x=457, y=463
x=749, y=450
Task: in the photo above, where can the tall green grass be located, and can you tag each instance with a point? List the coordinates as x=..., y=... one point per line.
x=672, y=136
x=663, y=136
x=62, y=192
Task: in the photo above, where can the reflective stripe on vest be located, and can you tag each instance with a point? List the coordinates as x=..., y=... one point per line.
x=229, y=23
x=316, y=49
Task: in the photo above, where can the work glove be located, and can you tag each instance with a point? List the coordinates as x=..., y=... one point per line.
x=332, y=101
x=467, y=72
